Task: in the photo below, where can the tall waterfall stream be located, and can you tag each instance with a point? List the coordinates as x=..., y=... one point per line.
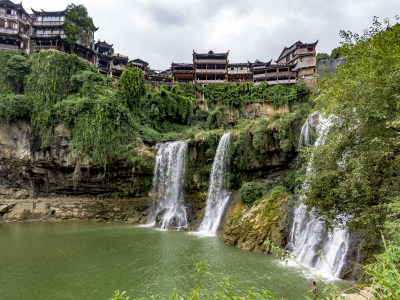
x=167, y=191
x=217, y=196
x=308, y=235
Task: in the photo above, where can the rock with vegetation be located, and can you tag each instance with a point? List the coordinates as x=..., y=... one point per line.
x=249, y=227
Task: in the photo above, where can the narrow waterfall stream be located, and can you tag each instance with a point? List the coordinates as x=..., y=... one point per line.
x=308, y=235
x=169, y=209
x=217, y=196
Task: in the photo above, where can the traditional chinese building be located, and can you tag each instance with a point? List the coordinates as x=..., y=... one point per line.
x=259, y=70
x=240, y=72
x=303, y=57
x=104, y=57
x=182, y=73
x=119, y=64
x=210, y=67
x=141, y=64
x=48, y=33
x=14, y=26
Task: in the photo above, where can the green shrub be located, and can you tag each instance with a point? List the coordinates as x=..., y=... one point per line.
x=276, y=190
x=13, y=107
x=250, y=192
x=149, y=135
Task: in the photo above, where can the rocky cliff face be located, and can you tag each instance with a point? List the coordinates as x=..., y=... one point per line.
x=27, y=170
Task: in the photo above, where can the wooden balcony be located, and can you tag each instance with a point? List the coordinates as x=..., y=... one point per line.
x=14, y=18
x=210, y=81
x=49, y=23
x=211, y=61
x=255, y=76
x=281, y=81
x=9, y=30
x=211, y=71
x=9, y=47
x=281, y=74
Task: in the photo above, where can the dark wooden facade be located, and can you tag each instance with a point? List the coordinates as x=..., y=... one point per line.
x=141, y=64
x=240, y=72
x=182, y=73
x=303, y=57
x=210, y=67
x=119, y=64
x=14, y=26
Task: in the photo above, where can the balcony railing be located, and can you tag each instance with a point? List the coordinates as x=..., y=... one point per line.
x=183, y=71
x=210, y=81
x=14, y=18
x=9, y=47
x=49, y=23
x=211, y=71
x=9, y=30
x=284, y=81
x=210, y=61
x=39, y=35
x=239, y=72
x=280, y=74
x=259, y=76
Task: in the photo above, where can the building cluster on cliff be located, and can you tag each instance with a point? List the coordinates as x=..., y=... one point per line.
x=20, y=30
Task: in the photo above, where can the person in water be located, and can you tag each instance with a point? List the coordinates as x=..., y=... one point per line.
x=314, y=290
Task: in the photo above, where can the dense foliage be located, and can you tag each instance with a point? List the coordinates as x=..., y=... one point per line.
x=49, y=83
x=78, y=24
x=231, y=94
x=131, y=85
x=357, y=172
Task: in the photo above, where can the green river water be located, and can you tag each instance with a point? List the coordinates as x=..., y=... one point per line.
x=90, y=261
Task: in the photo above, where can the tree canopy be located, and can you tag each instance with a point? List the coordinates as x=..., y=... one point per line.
x=78, y=23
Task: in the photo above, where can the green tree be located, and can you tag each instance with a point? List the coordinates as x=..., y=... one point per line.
x=131, y=86
x=78, y=24
x=16, y=70
x=322, y=56
x=356, y=172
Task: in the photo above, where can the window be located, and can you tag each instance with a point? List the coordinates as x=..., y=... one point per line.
x=56, y=31
x=8, y=11
x=39, y=32
x=301, y=59
x=62, y=18
x=46, y=19
x=2, y=11
x=2, y=23
x=47, y=31
x=39, y=19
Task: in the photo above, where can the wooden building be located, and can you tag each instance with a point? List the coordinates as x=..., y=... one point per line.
x=14, y=26
x=303, y=57
x=259, y=70
x=104, y=57
x=48, y=33
x=119, y=64
x=182, y=73
x=240, y=72
x=141, y=64
x=210, y=67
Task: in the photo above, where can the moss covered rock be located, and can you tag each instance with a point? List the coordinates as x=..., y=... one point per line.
x=248, y=229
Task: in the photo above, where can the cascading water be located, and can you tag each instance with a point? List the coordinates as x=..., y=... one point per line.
x=308, y=235
x=169, y=208
x=217, y=196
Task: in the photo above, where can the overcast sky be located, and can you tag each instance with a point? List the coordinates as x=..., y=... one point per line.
x=165, y=31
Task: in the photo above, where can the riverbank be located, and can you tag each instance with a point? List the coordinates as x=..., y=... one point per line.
x=74, y=209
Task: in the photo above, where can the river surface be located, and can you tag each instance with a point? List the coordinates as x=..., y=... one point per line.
x=90, y=261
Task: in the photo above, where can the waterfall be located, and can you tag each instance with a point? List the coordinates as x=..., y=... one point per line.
x=217, y=197
x=169, y=208
x=308, y=235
